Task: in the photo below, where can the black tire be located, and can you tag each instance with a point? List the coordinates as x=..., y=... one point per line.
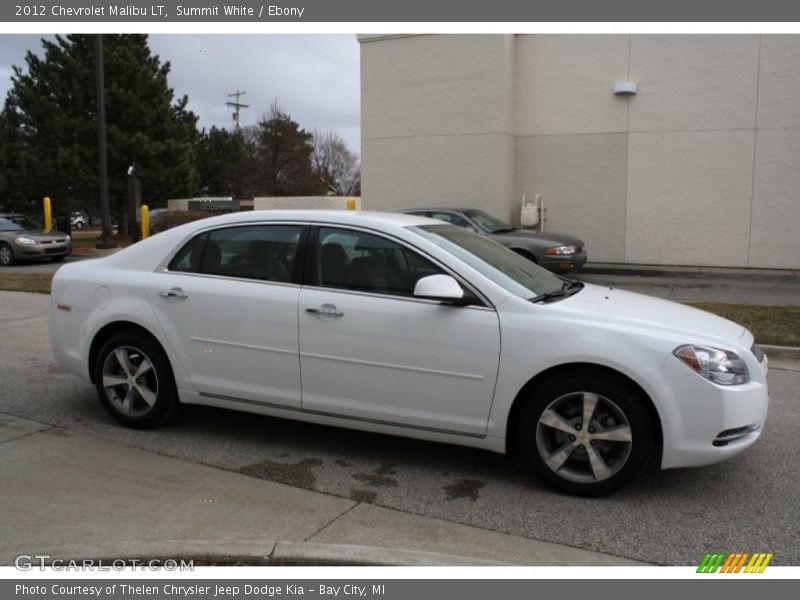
x=617, y=404
x=158, y=382
x=57, y=259
x=7, y=256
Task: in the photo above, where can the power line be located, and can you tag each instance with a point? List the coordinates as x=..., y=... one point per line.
x=236, y=106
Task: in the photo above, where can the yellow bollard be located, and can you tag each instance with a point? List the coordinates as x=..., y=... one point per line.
x=351, y=204
x=48, y=215
x=145, y=222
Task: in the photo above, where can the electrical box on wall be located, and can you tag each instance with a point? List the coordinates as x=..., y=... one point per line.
x=625, y=88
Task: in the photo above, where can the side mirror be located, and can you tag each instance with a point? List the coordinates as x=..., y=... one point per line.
x=442, y=288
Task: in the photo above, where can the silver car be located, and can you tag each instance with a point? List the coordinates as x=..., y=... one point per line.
x=557, y=252
x=22, y=238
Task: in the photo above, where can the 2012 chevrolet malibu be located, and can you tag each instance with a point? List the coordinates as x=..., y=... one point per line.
x=408, y=326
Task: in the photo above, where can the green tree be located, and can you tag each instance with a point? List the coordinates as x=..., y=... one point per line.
x=50, y=120
x=15, y=163
x=283, y=157
x=224, y=163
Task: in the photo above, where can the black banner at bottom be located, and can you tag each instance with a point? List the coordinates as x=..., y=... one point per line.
x=393, y=589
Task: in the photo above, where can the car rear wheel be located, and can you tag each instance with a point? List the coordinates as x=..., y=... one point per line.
x=586, y=434
x=134, y=380
x=6, y=255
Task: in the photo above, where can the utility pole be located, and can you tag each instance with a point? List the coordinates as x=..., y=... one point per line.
x=236, y=105
x=105, y=238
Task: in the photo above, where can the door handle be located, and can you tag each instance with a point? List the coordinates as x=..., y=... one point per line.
x=326, y=310
x=175, y=292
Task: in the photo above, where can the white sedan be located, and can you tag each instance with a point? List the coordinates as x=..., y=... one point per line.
x=408, y=326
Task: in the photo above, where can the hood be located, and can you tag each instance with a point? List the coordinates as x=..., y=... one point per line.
x=548, y=237
x=654, y=313
x=40, y=235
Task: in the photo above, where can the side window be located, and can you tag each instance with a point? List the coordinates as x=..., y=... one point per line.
x=452, y=218
x=264, y=252
x=188, y=258
x=352, y=260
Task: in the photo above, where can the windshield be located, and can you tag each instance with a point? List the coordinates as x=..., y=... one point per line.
x=17, y=223
x=506, y=268
x=487, y=222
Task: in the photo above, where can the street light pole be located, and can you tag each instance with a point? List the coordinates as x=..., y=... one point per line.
x=105, y=237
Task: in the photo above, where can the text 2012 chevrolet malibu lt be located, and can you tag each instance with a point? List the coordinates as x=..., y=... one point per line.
x=408, y=326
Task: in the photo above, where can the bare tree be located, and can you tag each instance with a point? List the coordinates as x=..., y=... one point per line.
x=336, y=164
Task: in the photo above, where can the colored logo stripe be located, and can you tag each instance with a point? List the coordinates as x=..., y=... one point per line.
x=711, y=562
x=734, y=562
x=758, y=563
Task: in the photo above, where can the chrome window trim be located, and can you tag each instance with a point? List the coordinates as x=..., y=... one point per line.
x=232, y=278
x=391, y=297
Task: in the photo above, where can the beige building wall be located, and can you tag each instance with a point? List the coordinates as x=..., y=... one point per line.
x=437, y=121
x=700, y=167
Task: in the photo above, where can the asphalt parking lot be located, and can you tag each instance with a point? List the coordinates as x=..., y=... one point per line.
x=685, y=288
x=748, y=503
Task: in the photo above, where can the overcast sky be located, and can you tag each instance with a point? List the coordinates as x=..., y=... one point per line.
x=314, y=77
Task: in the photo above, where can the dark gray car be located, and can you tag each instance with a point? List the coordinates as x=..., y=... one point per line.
x=555, y=252
x=21, y=238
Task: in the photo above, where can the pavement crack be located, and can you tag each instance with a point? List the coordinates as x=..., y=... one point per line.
x=329, y=523
x=27, y=434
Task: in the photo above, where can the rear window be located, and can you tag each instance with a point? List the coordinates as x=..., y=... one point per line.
x=188, y=258
x=263, y=252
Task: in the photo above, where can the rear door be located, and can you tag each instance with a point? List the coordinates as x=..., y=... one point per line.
x=228, y=306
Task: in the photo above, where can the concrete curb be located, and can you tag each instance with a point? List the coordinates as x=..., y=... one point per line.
x=783, y=352
x=311, y=553
x=690, y=272
x=265, y=553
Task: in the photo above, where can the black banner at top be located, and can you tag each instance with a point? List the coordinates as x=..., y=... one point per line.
x=111, y=11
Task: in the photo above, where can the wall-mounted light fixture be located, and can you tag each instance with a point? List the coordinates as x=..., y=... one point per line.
x=625, y=88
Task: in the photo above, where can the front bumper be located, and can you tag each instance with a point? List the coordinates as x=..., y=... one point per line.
x=704, y=423
x=565, y=263
x=37, y=251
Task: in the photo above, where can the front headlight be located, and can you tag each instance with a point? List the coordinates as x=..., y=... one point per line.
x=720, y=366
x=67, y=238
x=25, y=241
x=559, y=250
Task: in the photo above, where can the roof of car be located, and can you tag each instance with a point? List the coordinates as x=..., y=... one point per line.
x=329, y=216
x=438, y=209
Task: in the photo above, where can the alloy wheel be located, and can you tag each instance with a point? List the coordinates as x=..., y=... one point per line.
x=5, y=255
x=584, y=437
x=130, y=381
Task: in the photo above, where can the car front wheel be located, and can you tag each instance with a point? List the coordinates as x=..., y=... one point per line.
x=586, y=434
x=6, y=255
x=134, y=380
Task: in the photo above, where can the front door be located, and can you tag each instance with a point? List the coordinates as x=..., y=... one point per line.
x=370, y=350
